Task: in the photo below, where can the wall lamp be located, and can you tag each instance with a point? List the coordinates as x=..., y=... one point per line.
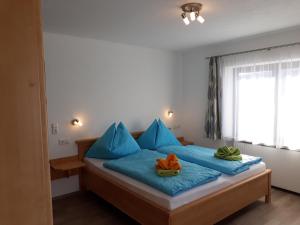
x=170, y=113
x=76, y=122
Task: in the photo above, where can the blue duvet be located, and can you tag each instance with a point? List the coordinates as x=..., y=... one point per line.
x=205, y=157
x=141, y=166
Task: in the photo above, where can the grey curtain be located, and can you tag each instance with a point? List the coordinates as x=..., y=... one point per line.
x=213, y=115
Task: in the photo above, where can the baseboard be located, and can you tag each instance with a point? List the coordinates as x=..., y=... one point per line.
x=67, y=195
x=285, y=190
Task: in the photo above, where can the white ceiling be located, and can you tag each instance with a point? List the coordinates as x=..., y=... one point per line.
x=157, y=23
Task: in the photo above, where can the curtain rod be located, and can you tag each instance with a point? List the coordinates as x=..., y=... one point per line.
x=258, y=49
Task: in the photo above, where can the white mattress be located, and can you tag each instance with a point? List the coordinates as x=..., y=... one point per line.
x=166, y=201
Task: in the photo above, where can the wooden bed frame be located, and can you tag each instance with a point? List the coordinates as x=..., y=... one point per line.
x=204, y=211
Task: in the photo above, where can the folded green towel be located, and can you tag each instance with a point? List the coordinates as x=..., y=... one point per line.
x=167, y=173
x=228, y=153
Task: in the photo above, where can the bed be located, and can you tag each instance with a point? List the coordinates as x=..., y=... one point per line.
x=204, y=205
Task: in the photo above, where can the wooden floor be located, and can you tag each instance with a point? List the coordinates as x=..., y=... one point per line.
x=88, y=209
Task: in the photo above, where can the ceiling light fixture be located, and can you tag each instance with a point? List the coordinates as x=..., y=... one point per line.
x=193, y=9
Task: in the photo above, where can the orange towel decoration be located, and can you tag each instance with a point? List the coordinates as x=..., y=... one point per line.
x=170, y=163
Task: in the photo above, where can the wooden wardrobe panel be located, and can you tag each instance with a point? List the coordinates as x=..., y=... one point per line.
x=25, y=196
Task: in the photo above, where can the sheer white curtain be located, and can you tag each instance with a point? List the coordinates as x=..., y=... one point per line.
x=261, y=97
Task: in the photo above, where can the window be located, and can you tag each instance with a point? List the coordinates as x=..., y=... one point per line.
x=261, y=98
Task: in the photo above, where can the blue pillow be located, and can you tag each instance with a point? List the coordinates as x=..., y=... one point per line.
x=165, y=137
x=115, y=143
x=148, y=138
x=156, y=136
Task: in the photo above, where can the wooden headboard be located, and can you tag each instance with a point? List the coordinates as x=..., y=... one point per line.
x=84, y=144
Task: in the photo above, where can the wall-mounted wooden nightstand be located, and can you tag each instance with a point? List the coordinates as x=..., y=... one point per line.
x=184, y=142
x=65, y=167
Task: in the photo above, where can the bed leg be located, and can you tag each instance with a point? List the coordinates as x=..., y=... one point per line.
x=268, y=199
x=269, y=193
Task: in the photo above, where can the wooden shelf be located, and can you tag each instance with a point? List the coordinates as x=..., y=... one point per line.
x=65, y=167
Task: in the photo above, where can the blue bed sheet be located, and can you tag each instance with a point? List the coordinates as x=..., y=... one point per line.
x=205, y=157
x=141, y=166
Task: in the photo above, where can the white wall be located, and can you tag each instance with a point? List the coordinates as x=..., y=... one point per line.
x=100, y=82
x=195, y=84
